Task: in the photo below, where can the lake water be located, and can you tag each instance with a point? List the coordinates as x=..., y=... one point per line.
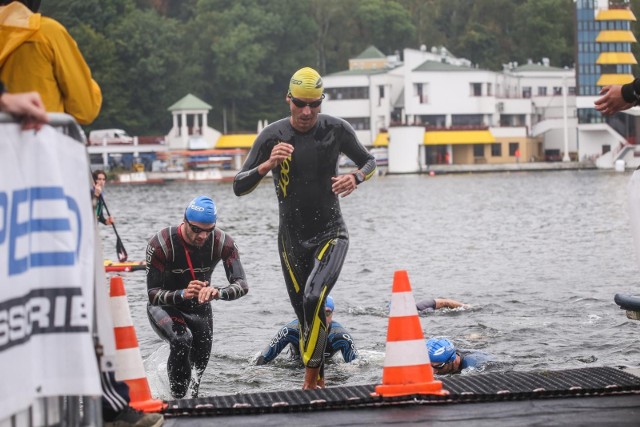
x=539, y=256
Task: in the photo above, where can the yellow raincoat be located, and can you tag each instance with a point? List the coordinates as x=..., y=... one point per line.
x=38, y=54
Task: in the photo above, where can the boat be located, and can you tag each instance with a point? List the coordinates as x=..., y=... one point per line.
x=111, y=266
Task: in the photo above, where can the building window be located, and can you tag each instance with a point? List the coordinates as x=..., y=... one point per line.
x=359, y=123
x=526, y=92
x=478, y=150
x=420, y=91
x=513, y=147
x=467, y=120
x=433, y=120
x=476, y=89
x=496, y=150
x=589, y=115
x=489, y=90
x=542, y=91
x=571, y=90
x=347, y=93
x=380, y=94
x=557, y=90
x=513, y=120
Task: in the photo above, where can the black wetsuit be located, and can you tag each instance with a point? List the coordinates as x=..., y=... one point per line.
x=312, y=238
x=186, y=324
x=428, y=304
x=339, y=340
x=100, y=209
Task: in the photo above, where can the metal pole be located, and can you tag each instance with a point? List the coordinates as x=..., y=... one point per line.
x=565, y=120
x=224, y=120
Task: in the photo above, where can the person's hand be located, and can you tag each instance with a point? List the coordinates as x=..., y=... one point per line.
x=207, y=294
x=97, y=190
x=27, y=106
x=343, y=185
x=193, y=288
x=611, y=100
x=109, y=220
x=279, y=153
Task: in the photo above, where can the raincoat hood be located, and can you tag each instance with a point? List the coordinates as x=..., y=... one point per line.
x=17, y=25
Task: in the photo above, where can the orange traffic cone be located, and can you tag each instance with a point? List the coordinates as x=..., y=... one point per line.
x=407, y=369
x=129, y=367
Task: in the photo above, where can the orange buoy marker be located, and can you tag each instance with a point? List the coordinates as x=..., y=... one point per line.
x=407, y=369
x=129, y=367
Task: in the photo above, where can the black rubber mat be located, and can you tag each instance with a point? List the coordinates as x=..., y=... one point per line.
x=462, y=388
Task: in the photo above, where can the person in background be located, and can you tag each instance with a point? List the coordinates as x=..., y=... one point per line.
x=432, y=304
x=180, y=261
x=38, y=54
x=616, y=98
x=27, y=107
x=338, y=339
x=302, y=153
x=446, y=359
x=100, y=179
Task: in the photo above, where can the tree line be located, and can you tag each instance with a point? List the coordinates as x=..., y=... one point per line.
x=237, y=55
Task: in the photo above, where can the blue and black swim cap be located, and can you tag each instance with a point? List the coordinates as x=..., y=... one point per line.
x=441, y=350
x=329, y=304
x=202, y=209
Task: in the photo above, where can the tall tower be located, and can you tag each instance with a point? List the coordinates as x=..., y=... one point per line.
x=604, y=45
x=603, y=57
x=615, y=39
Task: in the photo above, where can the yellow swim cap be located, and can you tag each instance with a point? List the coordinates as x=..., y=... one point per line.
x=306, y=83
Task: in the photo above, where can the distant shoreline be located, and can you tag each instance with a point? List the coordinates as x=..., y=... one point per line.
x=505, y=167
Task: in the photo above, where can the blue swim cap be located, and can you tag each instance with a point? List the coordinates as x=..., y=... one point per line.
x=441, y=350
x=329, y=303
x=202, y=209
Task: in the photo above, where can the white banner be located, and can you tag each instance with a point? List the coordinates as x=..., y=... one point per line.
x=46, y=269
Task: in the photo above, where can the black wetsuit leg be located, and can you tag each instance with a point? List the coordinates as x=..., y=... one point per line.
x=190, y=338
x=202, y=330
x=310, y=274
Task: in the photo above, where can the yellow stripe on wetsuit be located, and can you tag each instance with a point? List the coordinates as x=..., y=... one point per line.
x=293, y=276
x=324, y=249
x=307, y=353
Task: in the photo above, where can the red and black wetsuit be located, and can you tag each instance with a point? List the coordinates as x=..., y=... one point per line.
x=186, y=324
x=313, y=238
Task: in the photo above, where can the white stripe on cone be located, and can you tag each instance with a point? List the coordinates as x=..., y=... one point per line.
x=129, y=364
x=120, y=312
x=406, y=353
x=403, y=304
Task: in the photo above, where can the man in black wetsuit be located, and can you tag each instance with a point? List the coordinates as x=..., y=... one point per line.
x=338, y=340
x=180, y=261
x=302, y=151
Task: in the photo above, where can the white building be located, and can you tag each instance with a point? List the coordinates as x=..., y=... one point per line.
x=190, y=130
x=468, y=115
x=365, y=94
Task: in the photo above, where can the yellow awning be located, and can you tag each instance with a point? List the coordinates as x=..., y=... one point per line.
x=236, y=141
x=612, y=58
x=614, y=79
x=615, y=15
x=611, y=36
x=382, y=140
x=458, y=137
